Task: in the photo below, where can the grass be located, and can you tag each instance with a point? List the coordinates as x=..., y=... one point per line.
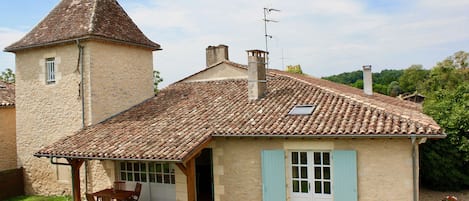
x=40, y=198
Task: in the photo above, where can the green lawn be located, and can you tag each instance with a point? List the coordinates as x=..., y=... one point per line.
x=40, y=198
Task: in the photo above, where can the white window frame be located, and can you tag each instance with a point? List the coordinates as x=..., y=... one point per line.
x=311, y=177
x=50, y=70
x=151, y=172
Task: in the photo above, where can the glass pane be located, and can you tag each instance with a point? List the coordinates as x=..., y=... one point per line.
x=152, y=178
x=304, y=186
x=326, y=158
x=129, y=166
x=304, y=172
x=294, y=172
x=166, y=179
x=173, y=179
x=294, y=157
x=136, y=166
x=144, y=177
x=303, y=158
x=317, y=187
x=327, y=187
x=123, y=177
x=143, y=167
x=166, y=168
x=151, y=167
x=122, y=166
x=317, y=173
x=159, y=178
x=317, y=158
x=158, y=167
x=327, y=173
x=296, y=186
x=130, y=177
x=137, y=177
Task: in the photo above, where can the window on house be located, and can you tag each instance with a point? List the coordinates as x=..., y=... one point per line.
x=302, y=110
x=311, y=173
x=152, y=172
x=50, y=70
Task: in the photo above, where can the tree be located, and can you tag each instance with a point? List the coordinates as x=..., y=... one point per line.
x=445, y=163
x=412, y=79
x=394, y=89
x=156, y=80
x=294, y=69
x=8, y=76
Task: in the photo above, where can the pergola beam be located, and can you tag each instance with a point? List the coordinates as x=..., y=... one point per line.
x=76, y=164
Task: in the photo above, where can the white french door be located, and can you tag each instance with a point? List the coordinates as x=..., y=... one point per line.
x=311, y=176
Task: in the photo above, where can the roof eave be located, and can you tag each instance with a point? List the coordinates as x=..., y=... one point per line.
x=363, y=136
x=13, y=49
x=39, y=155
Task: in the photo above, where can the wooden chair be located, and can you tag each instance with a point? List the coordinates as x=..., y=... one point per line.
x=136, y=195
x=90, y=197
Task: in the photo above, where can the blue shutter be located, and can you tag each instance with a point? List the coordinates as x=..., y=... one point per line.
x=273, y=175
x=345, y=175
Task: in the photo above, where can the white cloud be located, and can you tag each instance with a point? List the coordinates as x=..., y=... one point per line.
x=7, y=37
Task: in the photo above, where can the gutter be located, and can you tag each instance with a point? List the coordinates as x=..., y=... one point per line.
x=105, y=158
x=82, y=84
x=333, y=136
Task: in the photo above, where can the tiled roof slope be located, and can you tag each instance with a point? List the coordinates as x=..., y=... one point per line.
x=183, y=116
x=80, y=19
x=7, y=94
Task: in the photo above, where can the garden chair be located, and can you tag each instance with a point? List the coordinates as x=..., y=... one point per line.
x=136, y=195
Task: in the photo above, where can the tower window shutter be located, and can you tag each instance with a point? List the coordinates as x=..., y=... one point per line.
x=345, y=175
x=273, y=175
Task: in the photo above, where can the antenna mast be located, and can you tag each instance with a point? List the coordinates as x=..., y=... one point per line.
x=266, y=12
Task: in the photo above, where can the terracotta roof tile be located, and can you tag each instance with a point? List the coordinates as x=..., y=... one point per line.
x=184, y=115
x=7, y=94
x=73, y=19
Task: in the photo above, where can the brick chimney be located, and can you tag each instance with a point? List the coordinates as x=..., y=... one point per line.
x=215, y=54
x=367, y=80
x=257, y=83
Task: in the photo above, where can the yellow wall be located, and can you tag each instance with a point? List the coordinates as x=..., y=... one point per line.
x=384, y=166
x=7, y=138
x=116, y=77
x=220, y=72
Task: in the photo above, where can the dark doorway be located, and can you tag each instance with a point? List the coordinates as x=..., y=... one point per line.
x=204, y=175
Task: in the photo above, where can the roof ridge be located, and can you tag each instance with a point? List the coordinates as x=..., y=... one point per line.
x=93, y=17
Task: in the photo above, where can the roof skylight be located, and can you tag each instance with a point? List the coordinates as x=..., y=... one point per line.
x=302, y=110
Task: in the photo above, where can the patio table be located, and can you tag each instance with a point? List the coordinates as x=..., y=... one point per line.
x=108, y=194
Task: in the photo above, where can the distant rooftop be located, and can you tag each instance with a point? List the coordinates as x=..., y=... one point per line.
x=7, y=94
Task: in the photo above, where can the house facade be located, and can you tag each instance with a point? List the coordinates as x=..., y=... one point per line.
x=82, y=64
x=7, y=126
x=87, y=117
x=210, y=137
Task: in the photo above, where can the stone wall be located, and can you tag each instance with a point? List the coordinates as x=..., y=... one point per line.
x=220, y=72
x=7, y=138
x=237, y=166
x=116, y=77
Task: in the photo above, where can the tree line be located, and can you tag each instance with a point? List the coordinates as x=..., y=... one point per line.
x=444, y=164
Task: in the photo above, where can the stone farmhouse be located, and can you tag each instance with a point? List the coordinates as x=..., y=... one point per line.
x=7, y=126
x=86, y=117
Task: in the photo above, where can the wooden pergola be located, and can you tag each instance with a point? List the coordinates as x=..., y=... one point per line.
x=187, y=166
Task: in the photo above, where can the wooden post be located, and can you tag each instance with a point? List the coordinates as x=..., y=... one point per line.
x=189, y=171
x=76, y=164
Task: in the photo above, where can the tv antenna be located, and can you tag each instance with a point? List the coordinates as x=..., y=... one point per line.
x=267, y=11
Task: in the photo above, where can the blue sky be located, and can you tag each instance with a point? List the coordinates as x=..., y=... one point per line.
x=324, y=37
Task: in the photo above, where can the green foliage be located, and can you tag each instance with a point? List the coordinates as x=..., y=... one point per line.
x=381, y=80
x=156, y=80
x=8, y=76
x=394, y=89
x=294, y=69
x=346, y=78
x=445, y=163
x=40, y=198
x=412, y=79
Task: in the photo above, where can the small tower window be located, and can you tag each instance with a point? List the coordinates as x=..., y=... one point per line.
x=302, y=110
x=50, y=70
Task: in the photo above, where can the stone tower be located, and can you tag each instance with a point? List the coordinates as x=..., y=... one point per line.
x=84, y=62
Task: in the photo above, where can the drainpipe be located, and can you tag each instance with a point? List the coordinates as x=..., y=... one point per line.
x=82, y=87
x=414, y=167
